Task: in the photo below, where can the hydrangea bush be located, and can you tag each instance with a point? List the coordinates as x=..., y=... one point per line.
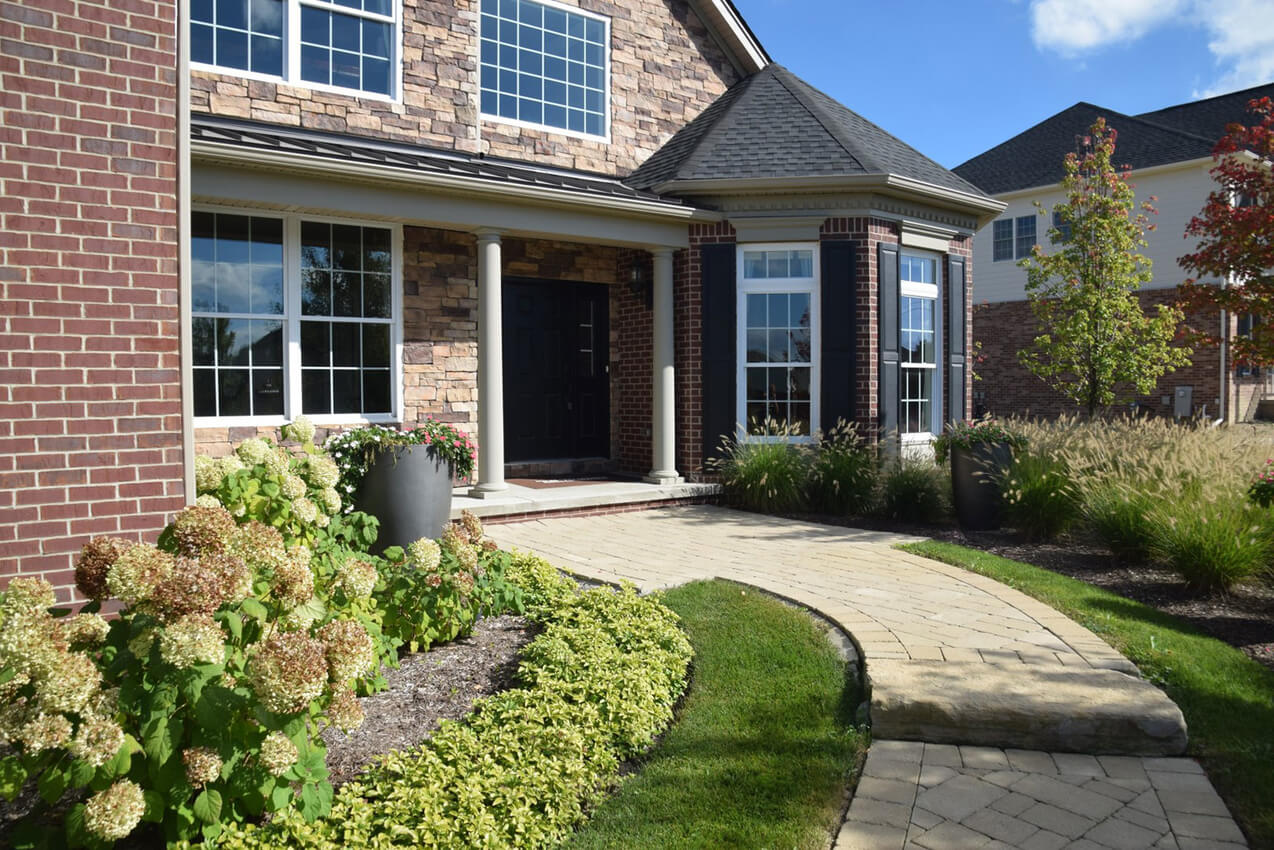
x=201, y=703
x=436, y=592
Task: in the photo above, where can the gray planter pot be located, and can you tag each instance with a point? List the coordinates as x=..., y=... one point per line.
x=409, y=491
x=976, y=476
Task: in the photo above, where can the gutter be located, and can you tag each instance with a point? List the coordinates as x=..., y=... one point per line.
x=184, y=287
x=1180, y=165
x=983, y=206
x=734, y=34
x=223, y=153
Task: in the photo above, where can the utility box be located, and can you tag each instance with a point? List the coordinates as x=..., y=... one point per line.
x=1183, y=403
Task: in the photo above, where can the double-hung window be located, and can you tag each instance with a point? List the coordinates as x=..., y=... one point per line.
x=921, y=382
x=1012, y=238
x=293, y=315
x=545, y=65
x=344, y=44
x=778, y=336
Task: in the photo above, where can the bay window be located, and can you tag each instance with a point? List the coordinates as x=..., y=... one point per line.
x=293, y=315
x=777, y=309
x=920, y=385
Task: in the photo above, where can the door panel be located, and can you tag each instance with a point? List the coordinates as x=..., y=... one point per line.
x=557, y=390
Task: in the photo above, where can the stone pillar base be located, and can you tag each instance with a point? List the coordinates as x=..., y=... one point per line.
x=663, y=479
x=487, y=491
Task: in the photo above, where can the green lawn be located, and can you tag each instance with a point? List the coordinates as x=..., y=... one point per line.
x=1227, y=698
x=762, y=750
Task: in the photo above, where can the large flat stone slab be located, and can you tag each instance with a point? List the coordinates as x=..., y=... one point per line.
x=1062, y=709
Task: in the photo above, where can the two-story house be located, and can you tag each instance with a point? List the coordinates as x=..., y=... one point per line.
x=1170, y=153
x=597, y=229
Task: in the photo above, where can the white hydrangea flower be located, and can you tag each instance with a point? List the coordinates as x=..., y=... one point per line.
x=115, y=812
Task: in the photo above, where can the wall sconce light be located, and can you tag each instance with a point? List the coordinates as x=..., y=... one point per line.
x=639, y=284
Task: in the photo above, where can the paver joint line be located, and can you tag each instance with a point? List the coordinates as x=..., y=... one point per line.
x=906, y=614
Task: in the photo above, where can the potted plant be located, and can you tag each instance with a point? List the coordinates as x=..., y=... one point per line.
x=981, y=453
x=402, y=477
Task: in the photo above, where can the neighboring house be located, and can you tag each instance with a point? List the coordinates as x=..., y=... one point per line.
x=602, y=231
x=1170, y=152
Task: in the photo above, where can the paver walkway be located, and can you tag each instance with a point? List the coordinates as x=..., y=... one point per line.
x=905, y=612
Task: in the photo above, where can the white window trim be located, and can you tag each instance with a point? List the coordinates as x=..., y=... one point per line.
x=292, y=53
x=745, y=286
x=488, y=118
x=291, y=318
x=1012, y=240
x=931, y=291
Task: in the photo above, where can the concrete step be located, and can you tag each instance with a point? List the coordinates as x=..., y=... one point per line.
x=1058, y=709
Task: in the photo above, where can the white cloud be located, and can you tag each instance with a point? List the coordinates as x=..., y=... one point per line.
x=1072, y=26
x=1240, y=32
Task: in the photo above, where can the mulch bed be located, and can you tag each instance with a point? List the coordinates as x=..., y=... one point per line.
x=1243, y=618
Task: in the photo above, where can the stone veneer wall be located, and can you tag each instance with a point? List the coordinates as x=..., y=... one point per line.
x=90, y=400
x=665, y=69
x=1007, y=388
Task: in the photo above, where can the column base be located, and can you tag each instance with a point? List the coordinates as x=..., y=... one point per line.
x=488, y=491
x=664, y=478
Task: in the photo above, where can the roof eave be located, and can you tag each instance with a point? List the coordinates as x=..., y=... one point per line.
x=1179, y=165
x=202, y=150
x=983, y=207
x=733, y=32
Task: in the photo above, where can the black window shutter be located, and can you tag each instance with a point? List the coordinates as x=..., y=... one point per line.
x=718, y=334
x=887, y=274
x=956, y=339
x=838, y=331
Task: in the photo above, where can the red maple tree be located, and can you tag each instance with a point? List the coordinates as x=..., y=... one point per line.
x=1236, y=237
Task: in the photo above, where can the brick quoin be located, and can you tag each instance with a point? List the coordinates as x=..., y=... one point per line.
x=90, y=417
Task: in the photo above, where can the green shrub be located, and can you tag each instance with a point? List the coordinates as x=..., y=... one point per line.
x=201, y=703
x=843, y=473
x=764, y=472
x=439, y=589
x=1212, y=546
x=1039, y=498
x=543, y=585
x=521, y=771
x=913, y=490
x=1121, y=519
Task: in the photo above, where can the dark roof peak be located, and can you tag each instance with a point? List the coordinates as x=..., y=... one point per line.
x=775, y=125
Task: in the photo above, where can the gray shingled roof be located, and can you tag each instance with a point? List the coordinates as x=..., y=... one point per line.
x=775, y=125
x=1209, y=117
x=254, y=135
x=1175, y=134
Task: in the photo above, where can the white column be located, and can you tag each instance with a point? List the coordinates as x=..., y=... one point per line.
x=490, y=369
x=663, y=426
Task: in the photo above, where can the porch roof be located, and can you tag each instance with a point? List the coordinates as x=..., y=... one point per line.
x=251, y=135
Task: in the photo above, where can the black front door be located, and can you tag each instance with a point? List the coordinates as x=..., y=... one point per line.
x=556, y=387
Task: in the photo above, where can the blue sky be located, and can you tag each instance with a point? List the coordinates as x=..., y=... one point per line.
x=953, y=78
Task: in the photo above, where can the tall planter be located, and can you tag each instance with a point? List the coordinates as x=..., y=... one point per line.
x=977, y=473
x=408, y=488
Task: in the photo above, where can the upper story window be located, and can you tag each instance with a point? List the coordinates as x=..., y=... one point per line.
x=1012, y=238
x=1062, y=227
x=545, y=65
x=346, y=44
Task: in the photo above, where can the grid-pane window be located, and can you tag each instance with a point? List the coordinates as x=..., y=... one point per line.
x=1002, y=240
x=918, y=342
x=237, y=322
x=765, y=265
x=346, y=318
x=1025, y=235
x=351, y=44
x=348, y=46
x=1063, y=228
x=246, y=35
x=544, y=65
x=778, y=360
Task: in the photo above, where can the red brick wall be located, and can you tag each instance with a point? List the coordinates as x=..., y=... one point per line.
x=1007, y=388
x=632, y=340
x=90, y=417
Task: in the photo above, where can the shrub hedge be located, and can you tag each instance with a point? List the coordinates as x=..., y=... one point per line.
x=597, y=685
